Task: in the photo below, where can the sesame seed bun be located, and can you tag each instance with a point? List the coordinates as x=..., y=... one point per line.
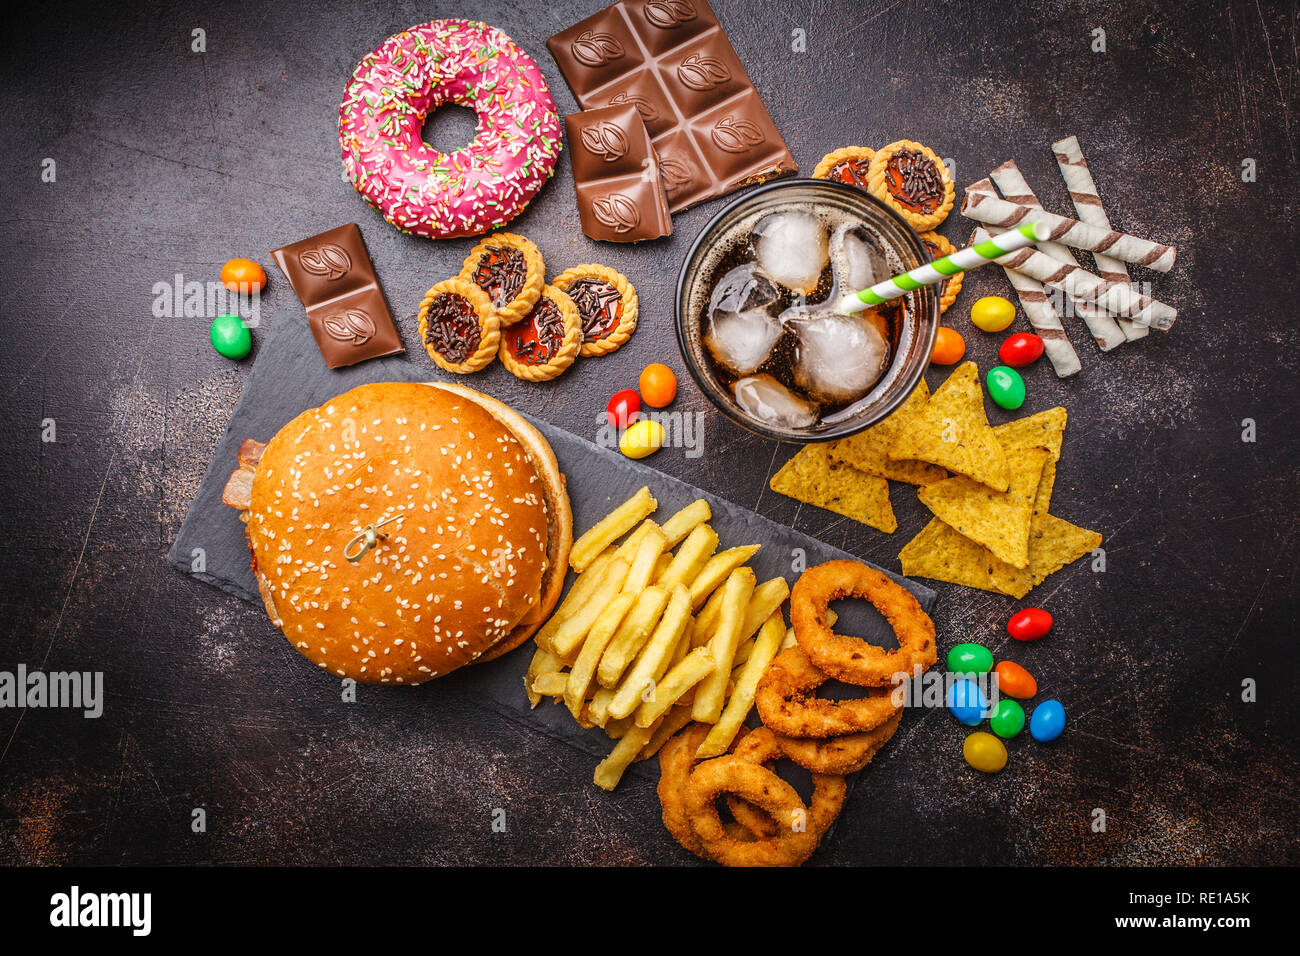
x=466, y=566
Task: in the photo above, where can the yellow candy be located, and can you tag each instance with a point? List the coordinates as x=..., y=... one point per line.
x=984, y=752
x=992, y=313
x=642, y=438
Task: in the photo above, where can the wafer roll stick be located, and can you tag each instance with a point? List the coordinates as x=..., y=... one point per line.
x=1105, y=330
x=1119, y=299
x=1042, y=316
x=1088, y=207
x=998, y=212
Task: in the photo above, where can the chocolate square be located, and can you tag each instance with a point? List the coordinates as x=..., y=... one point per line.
x=671, y=60
x=333, y=277
x=616, y=175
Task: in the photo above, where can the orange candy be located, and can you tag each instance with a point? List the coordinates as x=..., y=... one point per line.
x=243, y=275
x=949, y=347
x=1015, y=681
x=658, y=385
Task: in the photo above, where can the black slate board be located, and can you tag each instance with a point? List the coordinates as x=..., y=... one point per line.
x=290, y=376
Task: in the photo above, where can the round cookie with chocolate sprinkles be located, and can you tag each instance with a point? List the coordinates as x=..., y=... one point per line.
x=848, y=164
x=458, y=326
x=911, y=180
x=546, y=342
x=936, y=245
x=510, y=270
x=606, y=302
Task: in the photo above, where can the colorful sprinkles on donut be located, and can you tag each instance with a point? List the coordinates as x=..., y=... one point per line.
x=473, y=190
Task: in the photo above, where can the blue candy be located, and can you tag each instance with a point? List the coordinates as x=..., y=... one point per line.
x=1048, y=721
x=967, y=702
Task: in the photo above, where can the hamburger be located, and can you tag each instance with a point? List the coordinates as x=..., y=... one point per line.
x=463, y=506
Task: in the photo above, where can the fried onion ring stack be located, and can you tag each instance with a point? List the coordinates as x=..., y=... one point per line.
x=772, y=825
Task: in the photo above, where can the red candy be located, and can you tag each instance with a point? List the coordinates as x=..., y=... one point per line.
x=623, y=408
x=1029, y=624
x=1014, y=680
x=1021, y=349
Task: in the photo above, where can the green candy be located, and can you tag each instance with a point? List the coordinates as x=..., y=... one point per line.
x=1006, y=387
x=970, y=659
x=1008, y=720
x=230, y=336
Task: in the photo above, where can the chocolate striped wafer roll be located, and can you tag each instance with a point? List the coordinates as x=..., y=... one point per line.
x=1103, y=326
x=998, y=212
x=1038, y=310
x=1089, y=208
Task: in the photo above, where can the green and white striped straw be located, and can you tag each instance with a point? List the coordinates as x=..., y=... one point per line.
x=980, y=254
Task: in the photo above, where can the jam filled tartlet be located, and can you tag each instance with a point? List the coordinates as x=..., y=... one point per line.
x=937, y=246
x=848, y=164
x=911, y=180
x=510, y=270
x=606, y=302
x=459, y=326
x=546, y=341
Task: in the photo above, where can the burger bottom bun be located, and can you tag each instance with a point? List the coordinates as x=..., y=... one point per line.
x=559, y=515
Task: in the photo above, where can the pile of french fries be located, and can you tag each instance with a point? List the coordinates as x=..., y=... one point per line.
x=659, y=630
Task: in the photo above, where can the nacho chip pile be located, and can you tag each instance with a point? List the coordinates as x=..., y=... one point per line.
x=992, y=527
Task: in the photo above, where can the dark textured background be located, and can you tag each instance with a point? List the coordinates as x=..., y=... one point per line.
x=170, y=161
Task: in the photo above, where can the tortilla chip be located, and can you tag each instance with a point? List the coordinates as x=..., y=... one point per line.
x=997, y=520
x=953, y=432
x=940, y=553
x=814, y=478
x=868, y=451
x=1045, y=429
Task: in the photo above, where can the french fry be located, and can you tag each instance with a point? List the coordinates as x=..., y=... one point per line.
x=543, y=662
x=742, y=653
x=573, y=631
x=661, y=565
x=768, y=597
x=684, y=675
x=766, y=646
x=550, y=685
x=706, y=622
x=715, y=571
x=690, y=558
x=631, y=636
x=610, y=528
x=657, y=651
x=610, y=770
x=685, y=521
x=598, y=707
x=644, y=560
x=615, y=729
x=684, y=644
x=673, y=721
x=633, y=541
x=587, y=582
x=736, y=592
x=602, y=632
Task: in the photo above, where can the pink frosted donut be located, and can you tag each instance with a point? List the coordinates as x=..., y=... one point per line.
x=475, y=189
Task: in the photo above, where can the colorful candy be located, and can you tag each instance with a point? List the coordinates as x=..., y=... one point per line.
x=1021, y=349
x=949, y=347
x=243, y=276
x=967, y=702
x=1014, y=680
x=1008, y=720
x=623, y=408
x=1048, y=721
x=992, y=313
x=1029, y=624
x=1006, y=387
x=984, y=752
x=642, y=438
x=970, y=659
x=230, y=337
x=658, y=385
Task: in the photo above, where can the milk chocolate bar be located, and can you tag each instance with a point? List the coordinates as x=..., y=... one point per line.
x=616, y=175
x=336, y=283
x=671, y=60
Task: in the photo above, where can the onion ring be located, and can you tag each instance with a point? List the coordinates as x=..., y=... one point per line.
x=676, y=760
x=837, y=755
x=758, y=785
x=785, y=701
x=761, y=746
x=851, y=659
